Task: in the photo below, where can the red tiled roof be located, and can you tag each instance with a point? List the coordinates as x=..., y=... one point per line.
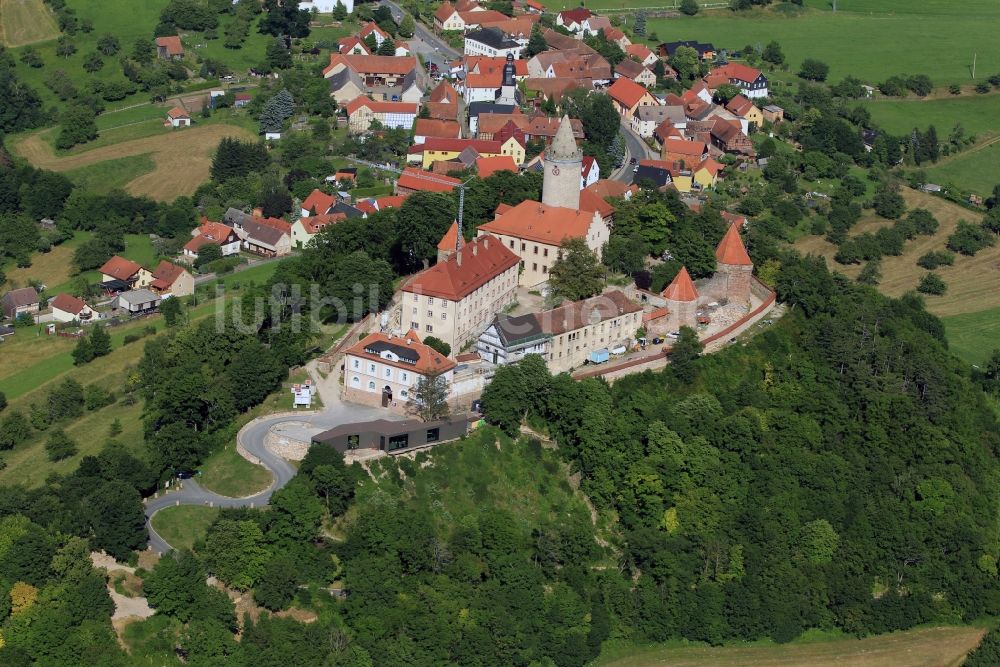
x=417, y=179
x=177, y=112
x=372, y=27
x=319, y=201
x=594, y=203
x=450, y=238
x=120, y=268
x=444, y=12
x=389, y=201
x=172, y=44
x=580, y=313
x=444, y=92
x=67, y=304
x=380, y=106
x=351, y=41
x=428, y=359
x=683, y=147
x=738, y=71
x=314, y=223
x=627, y=92
x=478, y=262
x=608, y=188
x=577, y=14
x=275, y=223
x=640, y=51
x=731, y=249
x=209, y=232
x=397, y=65
x=487, y=166
x=681, y=288
x=493, y=65
x=366, y=206
x=612, y=34
x=167, y=272
x=535, y=221
x=431, y=127
x=739, y=105
x=485, y=16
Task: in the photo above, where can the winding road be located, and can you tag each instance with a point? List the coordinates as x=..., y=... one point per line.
x=252, y=438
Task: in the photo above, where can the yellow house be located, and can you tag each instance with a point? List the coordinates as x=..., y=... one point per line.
x=436, y=149
x=682, y=182
x=706, y=175
x=747, y=110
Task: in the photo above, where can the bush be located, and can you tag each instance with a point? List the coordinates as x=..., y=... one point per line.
x=689, y=7
x=436, y=343
x=932, y=283
x=968, y=239
x=936, y=258
x=59, y=446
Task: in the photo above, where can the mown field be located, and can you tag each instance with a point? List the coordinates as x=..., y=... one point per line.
x=972, y=281
x=974, y=336
x=182, y=157
x=182, y=526
x=26, y=22
x=930, y=647
x=977, y=169
x=870, y=39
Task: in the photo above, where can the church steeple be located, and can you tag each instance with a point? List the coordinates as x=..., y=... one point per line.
x=563, y=163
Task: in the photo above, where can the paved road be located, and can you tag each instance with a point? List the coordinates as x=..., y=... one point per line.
x=635, y=148
x=423, y=33
x=252, y=436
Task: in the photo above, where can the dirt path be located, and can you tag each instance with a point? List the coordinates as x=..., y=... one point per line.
x=183, y=158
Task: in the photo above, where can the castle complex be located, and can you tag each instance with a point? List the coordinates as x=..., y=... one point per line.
x=563, y=161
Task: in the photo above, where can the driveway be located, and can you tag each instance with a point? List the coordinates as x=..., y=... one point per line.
x=252, y=438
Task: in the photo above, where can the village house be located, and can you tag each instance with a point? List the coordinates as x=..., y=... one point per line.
x=424, y=128
x=436, y=149
x=126, y=271
x=18, y=301
x=491, y=42
x=371, y=28
x=750, y=80
x=68, y=308
x=647, y=119
x=178, y=117
x=743, y=108
x=136, y=302
x=447, y=18
x=590, y=172
x=772, y=113
x=537, y=127
x=455, y=299
x=487, y=166
x=171, y=279
x=169, y=48
x=691, y=152
x=628, y=96
x=633, y=71
x=443, y=102
x=576, y=20
x=353, y=45
x=362, y=112
x=729, y=137
x=305, y=228
x=510, y=339
x=383, y=77
x=383, y=370
x=267, y=237
x=215, y=233
x=317, y=203
x=642, y=54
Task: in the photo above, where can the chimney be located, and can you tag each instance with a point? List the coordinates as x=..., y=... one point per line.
x=486, y=242
x=475, y=249
x=458, y=258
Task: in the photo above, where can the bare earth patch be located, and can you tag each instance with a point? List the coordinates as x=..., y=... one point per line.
x=183, y=158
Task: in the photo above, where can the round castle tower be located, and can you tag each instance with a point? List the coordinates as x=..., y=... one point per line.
x=734, y=266
x=682, y=300
x=563, y=162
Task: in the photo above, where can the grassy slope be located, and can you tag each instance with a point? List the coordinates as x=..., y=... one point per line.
x=930, y=647
x=25, y=22
x=109, y=175
x=971, y=281
x=977, y=170
x=974, y=336
x=976, y=113
x=229, y=474
x=866, y=38
x=182, y=526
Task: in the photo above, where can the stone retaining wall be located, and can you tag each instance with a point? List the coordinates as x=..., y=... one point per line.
x=239, y=436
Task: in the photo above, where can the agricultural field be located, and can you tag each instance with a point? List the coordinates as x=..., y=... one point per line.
x=930, y=647
x=976, y=113
x=971, y=280
x=182, y=157
x=870, y=39
x=26, y=22
x=976, y=169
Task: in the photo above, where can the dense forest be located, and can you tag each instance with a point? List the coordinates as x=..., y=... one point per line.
x=839, y=471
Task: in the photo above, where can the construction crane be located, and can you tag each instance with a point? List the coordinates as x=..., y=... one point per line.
x=433, y=179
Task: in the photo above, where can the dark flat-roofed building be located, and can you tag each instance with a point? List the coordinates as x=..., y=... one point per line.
x=392, y=436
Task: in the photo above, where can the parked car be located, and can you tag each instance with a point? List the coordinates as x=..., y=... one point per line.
x=657, y=341
x=674, y=334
